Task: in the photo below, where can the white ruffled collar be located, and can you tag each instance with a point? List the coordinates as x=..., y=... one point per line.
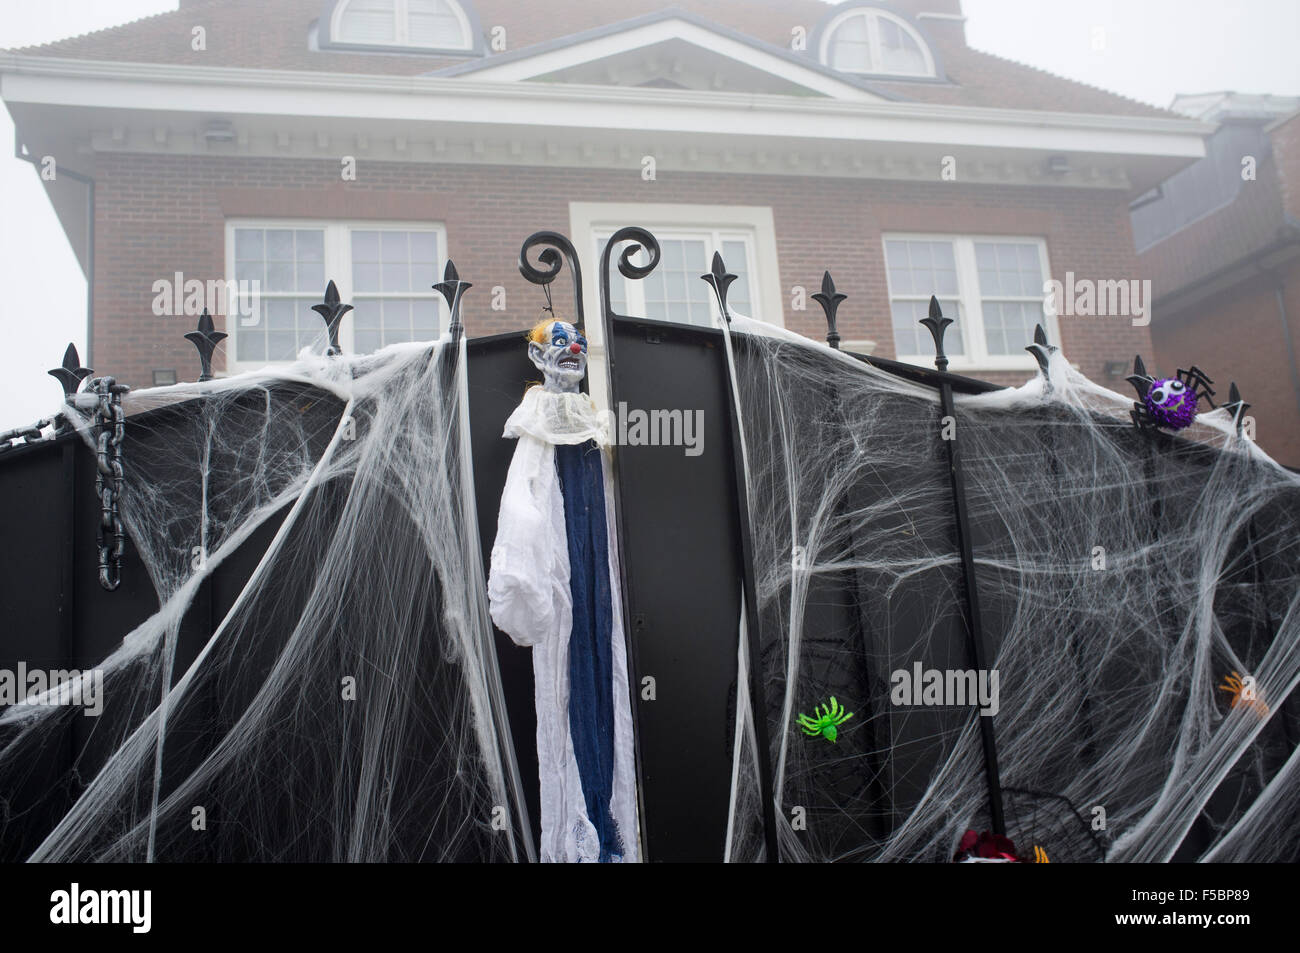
x=558, y=418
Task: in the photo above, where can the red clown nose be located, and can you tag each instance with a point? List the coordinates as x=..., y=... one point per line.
x=575, y=347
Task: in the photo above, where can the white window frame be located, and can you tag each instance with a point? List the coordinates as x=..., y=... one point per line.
x=338, y=266
x=873, y=15
x=402, y=31
x=976, y=356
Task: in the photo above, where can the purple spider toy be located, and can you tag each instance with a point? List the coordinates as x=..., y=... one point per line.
x=1168, y=402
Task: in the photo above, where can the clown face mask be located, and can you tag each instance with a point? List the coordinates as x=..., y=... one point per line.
x=559, y=351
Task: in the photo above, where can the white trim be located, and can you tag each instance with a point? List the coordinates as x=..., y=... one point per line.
x=661, y=31
x=338, y=267
x=873, y=15
x=976, y=357
x=401, y=14
x=428, y=100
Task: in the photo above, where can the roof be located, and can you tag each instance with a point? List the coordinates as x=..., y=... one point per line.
x=255, y=34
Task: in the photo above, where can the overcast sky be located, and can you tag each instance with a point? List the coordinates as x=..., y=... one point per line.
x=1145, y=49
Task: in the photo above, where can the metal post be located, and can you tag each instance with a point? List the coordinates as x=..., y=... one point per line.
x=937, y=325
x=719, y=280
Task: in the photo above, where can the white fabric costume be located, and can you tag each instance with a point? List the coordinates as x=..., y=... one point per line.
x=528, y=590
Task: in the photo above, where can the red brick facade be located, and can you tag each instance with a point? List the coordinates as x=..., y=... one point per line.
x=1236, y=333
x=157, y=215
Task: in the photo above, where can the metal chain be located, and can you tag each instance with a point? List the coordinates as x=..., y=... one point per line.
x=109, y=430
x=9, y=439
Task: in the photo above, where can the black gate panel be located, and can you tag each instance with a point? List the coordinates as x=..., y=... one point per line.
x=683, y=571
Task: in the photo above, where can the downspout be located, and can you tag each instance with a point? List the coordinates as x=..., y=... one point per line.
x=20, y=153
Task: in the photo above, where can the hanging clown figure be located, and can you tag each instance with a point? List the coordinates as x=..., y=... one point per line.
x=554, y=586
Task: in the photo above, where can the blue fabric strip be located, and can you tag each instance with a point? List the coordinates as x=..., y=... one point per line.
x=591, y=688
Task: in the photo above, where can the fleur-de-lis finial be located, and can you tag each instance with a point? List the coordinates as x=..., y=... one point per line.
x=1041, y=350
x=332, y=311
x=830, y=300
x=720, y=280
x=937, y=324
x=205, y=339
x=451, y=288
x=70, y=373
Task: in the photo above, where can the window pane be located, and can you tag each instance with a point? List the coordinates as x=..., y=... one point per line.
x=1008, y=268
x=850, y=47
x=921, y=267
x=394, y=246
x=367, y=342
x=369, y=21
x=397, y=320
x=432, y=23
x=424, y=318
x=310, y=245
x=424, y=248
x=279, y=244
x=279, y=314
x=281, y=259
x=739, y=300
x=898, y=51
x=284, y=327
x=365, y=246
x=395, y=276
x=251, y=344
x=366, y=314
x=311, y=275
x=670, y=290
x=380, y=322
x=1009, y=325
x=281, y=345
x=911, y=339
x=249, y=245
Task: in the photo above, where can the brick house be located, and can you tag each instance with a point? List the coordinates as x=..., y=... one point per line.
x=1221, y=243
x=791, y=135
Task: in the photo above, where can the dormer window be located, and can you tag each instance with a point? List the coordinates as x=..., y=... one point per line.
x=875, y=42
x=422, y=25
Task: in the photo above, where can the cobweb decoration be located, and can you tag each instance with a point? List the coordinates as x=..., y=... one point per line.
x=343, y=704
x=1121, y=576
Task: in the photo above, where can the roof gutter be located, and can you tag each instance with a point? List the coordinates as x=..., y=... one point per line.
x=157, y=81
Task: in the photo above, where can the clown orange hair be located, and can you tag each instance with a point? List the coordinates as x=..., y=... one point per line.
x=539, y=333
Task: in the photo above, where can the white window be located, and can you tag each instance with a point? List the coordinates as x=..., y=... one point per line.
x=992, y=288
x=675, y=290
x=385, y=271
x=867, y=40
x=422, y=24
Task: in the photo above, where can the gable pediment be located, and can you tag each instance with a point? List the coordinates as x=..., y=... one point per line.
x=673, y=50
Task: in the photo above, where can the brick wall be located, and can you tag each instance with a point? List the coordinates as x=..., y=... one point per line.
x=157, y=215
x=1286, y=155
x=1237, y=335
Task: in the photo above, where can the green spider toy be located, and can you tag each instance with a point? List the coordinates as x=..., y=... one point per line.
x=825, y=721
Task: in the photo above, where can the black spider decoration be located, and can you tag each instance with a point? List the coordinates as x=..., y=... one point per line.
x=1169, y=402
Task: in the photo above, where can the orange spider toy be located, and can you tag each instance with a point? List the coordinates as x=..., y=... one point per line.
x=1244, y=693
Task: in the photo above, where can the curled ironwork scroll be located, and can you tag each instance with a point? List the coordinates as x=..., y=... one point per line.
x=556, y=250
x=640, y=238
